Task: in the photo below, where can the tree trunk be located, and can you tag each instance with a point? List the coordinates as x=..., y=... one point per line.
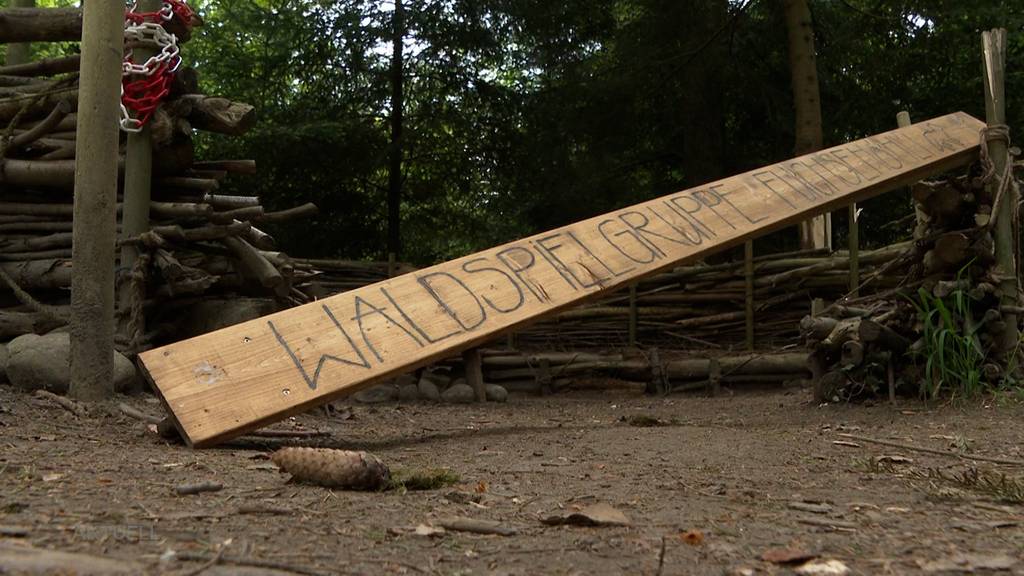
x=395, y=161
x=92, y=289
x=814, y=233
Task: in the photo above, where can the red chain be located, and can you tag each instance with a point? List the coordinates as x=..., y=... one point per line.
x=143, y=96
x=179, y=9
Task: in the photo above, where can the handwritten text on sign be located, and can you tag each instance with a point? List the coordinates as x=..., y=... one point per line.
x=221, y=384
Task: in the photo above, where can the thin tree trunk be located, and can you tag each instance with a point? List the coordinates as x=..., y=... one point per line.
x=395, y=160
x=92, y=285
x=814, y=233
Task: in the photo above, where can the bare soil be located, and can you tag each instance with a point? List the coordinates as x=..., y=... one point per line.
x=721, y=483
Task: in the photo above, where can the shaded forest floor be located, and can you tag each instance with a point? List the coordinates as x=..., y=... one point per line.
x=713, y=488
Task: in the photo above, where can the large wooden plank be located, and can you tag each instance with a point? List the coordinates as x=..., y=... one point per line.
x=227, y=382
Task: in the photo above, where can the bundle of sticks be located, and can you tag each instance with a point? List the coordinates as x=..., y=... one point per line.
x=945, y=327
x=660, y=371
x=201, y=241
x=703, y=306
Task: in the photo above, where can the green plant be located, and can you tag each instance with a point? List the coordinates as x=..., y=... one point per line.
x=952, y=352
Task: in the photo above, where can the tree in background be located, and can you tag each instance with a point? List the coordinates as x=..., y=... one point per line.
x=816, y=232
x=521, y=115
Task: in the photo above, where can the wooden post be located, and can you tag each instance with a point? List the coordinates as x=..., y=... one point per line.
x=633, y=313
x=95, y=215
x=20, y=53
x=854, y=247
x=748, y=267
x=920, y=218
x=474, y=373
x=138, y=178
x=994, y=48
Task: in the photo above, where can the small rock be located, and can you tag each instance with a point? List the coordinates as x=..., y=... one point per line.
x=408, y=393
x=459, y=393
x=428, y=390
x=377, y=395
x=439, y=380
x=44, y=363
x=496, y=393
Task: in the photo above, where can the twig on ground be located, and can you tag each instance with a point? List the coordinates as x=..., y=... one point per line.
x=891, y=444
x=197, y=488
x=253, y=562
x=138, y=414
x=66, y=403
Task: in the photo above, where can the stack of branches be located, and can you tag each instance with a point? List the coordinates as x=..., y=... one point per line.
x=704, y=305
x=940, y=333
x=659, y=371
x=322, y=278
x=201, y=241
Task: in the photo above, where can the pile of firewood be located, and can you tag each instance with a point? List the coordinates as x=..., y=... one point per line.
x=944, y=326
x=659, y=371
x=703, y=306
x=201, y=243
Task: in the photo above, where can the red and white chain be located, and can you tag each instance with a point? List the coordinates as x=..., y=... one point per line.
x=145, y=85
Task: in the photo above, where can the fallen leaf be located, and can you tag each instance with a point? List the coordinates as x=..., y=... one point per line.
x=787, y=555
x=481, y=487
x=823, y=568
x=692, y=537
x=52, y=477
x=477, y=526
x=593, y=515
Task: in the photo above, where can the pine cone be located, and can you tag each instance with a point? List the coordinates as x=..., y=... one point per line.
x=333, y=468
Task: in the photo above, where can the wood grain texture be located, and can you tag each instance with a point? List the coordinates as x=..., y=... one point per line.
x=222, y=384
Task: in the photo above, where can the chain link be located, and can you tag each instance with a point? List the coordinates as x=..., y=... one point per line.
x=143, y=95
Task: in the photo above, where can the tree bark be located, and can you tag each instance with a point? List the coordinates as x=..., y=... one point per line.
x=92, y=289
x=803, y=67
x=395, y=160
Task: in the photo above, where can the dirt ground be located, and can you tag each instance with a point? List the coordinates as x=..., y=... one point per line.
x=724, y=481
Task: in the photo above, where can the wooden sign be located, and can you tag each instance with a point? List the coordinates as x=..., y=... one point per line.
x=224, y=383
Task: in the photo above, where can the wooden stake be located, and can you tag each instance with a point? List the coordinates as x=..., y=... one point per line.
x=474, y=373
x=633, y=317
x=92, y=285
x=920, y=217
x=994, y=47
x=748, y=255
x=138, y=179
x=854, y=247
x=20, y=53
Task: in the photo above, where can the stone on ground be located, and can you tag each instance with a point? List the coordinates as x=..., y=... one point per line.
x=44, y=363
x=428, y=390
x=378, y=394
x=459, y=393
x=496, y=393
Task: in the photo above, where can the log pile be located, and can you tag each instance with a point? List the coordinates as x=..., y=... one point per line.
x=703, y=306
x=943, y=329
x=202, y=242
x=660, y=372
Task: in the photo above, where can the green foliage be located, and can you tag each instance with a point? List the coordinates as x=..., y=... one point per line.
x=522, y=115
x=952, y=352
